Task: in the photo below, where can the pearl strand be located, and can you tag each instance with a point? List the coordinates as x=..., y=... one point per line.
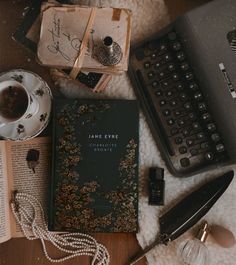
x=34, y=226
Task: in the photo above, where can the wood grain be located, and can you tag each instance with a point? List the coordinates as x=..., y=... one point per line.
x=21, y=251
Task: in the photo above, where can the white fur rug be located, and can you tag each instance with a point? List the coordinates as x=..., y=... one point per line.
x=148, y=17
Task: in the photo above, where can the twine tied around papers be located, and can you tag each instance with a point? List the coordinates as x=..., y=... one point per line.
x=29, y=215
x=80, y=58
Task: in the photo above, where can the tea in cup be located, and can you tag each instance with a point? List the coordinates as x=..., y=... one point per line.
x=15, y=102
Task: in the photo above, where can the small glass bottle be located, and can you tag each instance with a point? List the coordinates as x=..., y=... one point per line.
x=156, y=186
x=194, y=251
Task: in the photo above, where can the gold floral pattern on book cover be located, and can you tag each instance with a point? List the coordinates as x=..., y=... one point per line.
x=106, y=200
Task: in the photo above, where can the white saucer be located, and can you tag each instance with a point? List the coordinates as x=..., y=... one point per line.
x=30, y=127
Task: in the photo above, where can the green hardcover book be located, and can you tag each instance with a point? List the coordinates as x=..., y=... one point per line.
x=94, y=184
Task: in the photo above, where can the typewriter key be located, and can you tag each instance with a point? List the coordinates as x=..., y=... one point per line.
x=183, y=96
x=189, y=76
x=158, y=93
x=209, y=156
x=163, y=47
x=196, y=125
x=147, y=65
x=204, y=145
x=211, y=126
x=170, y=121
x=162, y=102
x=180, y=56
x=155, y=84
x=206, y=116
x=184, y=66
x=186, y=132
x=168, y=57
x=176, y=46
x=157, y=65
x=180, y=86
x=192, y=116
x=201, y=106
x=178, y=140
x=200, y=136
x=184, y=162
x=215, y=137
x=193, y=86
x=177, y=112
x=175, y=77
x=182, y=150
x=220, y=148
x=198, y=96
x=193, y=152
x=150, y=75
x=187, y=105
x=181, y=122
x=190, y=142
x=166, y=112
x=153, y=56
x=173, y=103
x=171, y=67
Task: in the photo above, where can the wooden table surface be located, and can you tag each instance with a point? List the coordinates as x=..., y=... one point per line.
x=21, y=251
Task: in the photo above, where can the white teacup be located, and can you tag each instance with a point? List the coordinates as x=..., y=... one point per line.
x=15, y=102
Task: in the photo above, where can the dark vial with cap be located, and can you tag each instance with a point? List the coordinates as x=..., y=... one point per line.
x=156, y=186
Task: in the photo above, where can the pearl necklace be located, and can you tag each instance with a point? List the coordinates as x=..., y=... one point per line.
x=29, y=215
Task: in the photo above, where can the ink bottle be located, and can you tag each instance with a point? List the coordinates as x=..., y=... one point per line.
x=156, y=186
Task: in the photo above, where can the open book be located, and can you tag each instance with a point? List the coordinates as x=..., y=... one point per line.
x=24, y=166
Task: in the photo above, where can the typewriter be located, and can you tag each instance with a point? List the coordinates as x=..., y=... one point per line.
x=185, y=79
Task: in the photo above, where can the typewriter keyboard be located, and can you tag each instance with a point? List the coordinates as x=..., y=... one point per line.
x=174, y=103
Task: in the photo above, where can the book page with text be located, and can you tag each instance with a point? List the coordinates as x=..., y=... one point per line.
x=4, y=208
x=30, y=165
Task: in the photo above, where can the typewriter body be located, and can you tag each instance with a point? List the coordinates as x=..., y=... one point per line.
x=185, y=79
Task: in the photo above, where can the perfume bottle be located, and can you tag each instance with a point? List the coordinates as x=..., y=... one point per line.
x=194, y=251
